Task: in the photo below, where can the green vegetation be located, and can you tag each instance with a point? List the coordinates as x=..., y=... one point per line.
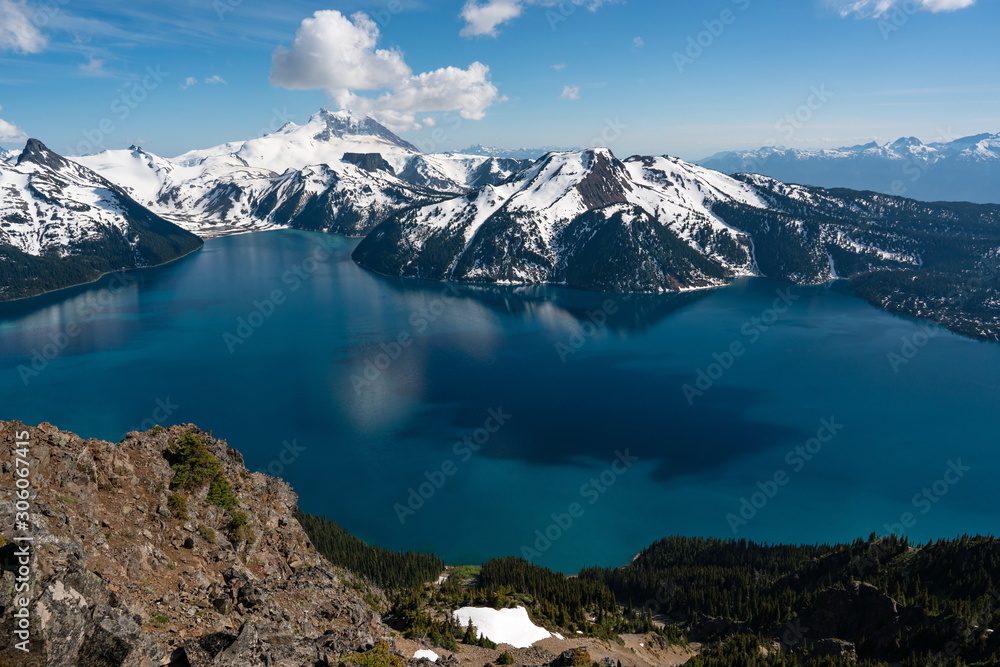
x=178, y=506
x=194, y=466
x=755, y=651
x=389, y=570
x=505, y=659
x=158, y=618
x=206, y=533
x=738, y=598
x=473, y=637
x=581, y=658
x=463, y=573
x=239, y=531
x=380, y=656
x=946, y=591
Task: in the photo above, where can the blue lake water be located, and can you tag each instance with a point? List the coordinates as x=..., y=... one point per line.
x=374, y=384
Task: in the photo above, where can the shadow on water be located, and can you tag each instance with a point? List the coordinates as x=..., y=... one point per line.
x=582, y=412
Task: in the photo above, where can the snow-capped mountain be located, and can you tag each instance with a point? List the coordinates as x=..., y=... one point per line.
x=62, y=224
x=515, y=153
x=966, y=169
x=588, y=220
x=8, y=156
x=336, y=173
x=585, y=219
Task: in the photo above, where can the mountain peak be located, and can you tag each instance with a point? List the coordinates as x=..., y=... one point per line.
x=342, y=124
x=35, y=152
x=906, y=142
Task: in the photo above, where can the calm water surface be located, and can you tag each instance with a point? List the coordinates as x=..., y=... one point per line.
x=360, y=389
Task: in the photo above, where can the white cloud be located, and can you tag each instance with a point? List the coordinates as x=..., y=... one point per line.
x=93, y=67
x=880, y=8
x=10, y=133
x=188, y=82
x=570, y=93
x=338, y=54
x=215, y=79
x=17, y=33
x=559, y=67
x=333, y=52
x=483, y=17
x=467, y=91
x=638, y=42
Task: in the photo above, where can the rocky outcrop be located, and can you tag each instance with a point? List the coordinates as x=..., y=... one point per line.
x=123, y=573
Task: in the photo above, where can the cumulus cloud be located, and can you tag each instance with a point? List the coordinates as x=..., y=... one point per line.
x=188, y=82
x=638, y=42
x=215, y=79
x=880, y=8
x=484, y=17
x=334, y=52
x=17, y=33
x=10, y=133
x=570, y=93
x=340, y=55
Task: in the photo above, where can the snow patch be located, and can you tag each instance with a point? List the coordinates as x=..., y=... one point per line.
x=503, y=626
x=424, y=653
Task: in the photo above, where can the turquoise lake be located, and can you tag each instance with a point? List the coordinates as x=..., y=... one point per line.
x=761, y=411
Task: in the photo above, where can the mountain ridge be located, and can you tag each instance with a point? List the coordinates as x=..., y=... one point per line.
x=245, y=186
x=62, y=224
x=963, y=169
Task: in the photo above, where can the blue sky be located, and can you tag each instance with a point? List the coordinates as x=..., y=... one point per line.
x=684, y=77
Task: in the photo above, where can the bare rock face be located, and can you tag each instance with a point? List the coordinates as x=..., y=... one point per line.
x=122, y=575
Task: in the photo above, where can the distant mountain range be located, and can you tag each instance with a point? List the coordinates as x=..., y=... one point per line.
x=62, y=224
x=966, y=169
x=583, y=219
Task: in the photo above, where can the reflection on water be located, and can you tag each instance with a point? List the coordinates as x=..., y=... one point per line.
x=378, y=378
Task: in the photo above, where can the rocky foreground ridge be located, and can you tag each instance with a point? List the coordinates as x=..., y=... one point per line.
x=123, y=573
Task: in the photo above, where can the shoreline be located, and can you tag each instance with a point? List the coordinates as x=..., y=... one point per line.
x=22, y=299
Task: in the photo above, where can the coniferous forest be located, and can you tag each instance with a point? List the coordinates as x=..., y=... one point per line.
x=874, y=602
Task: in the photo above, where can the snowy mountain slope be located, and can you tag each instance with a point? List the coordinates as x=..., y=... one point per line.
x=345, y=198
x=579, y=218
x=455, y=173
x=62, y=224
x=324, y=139
x=966, y=169
x=336, y=173
x=588, y=220
x=8, y=156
